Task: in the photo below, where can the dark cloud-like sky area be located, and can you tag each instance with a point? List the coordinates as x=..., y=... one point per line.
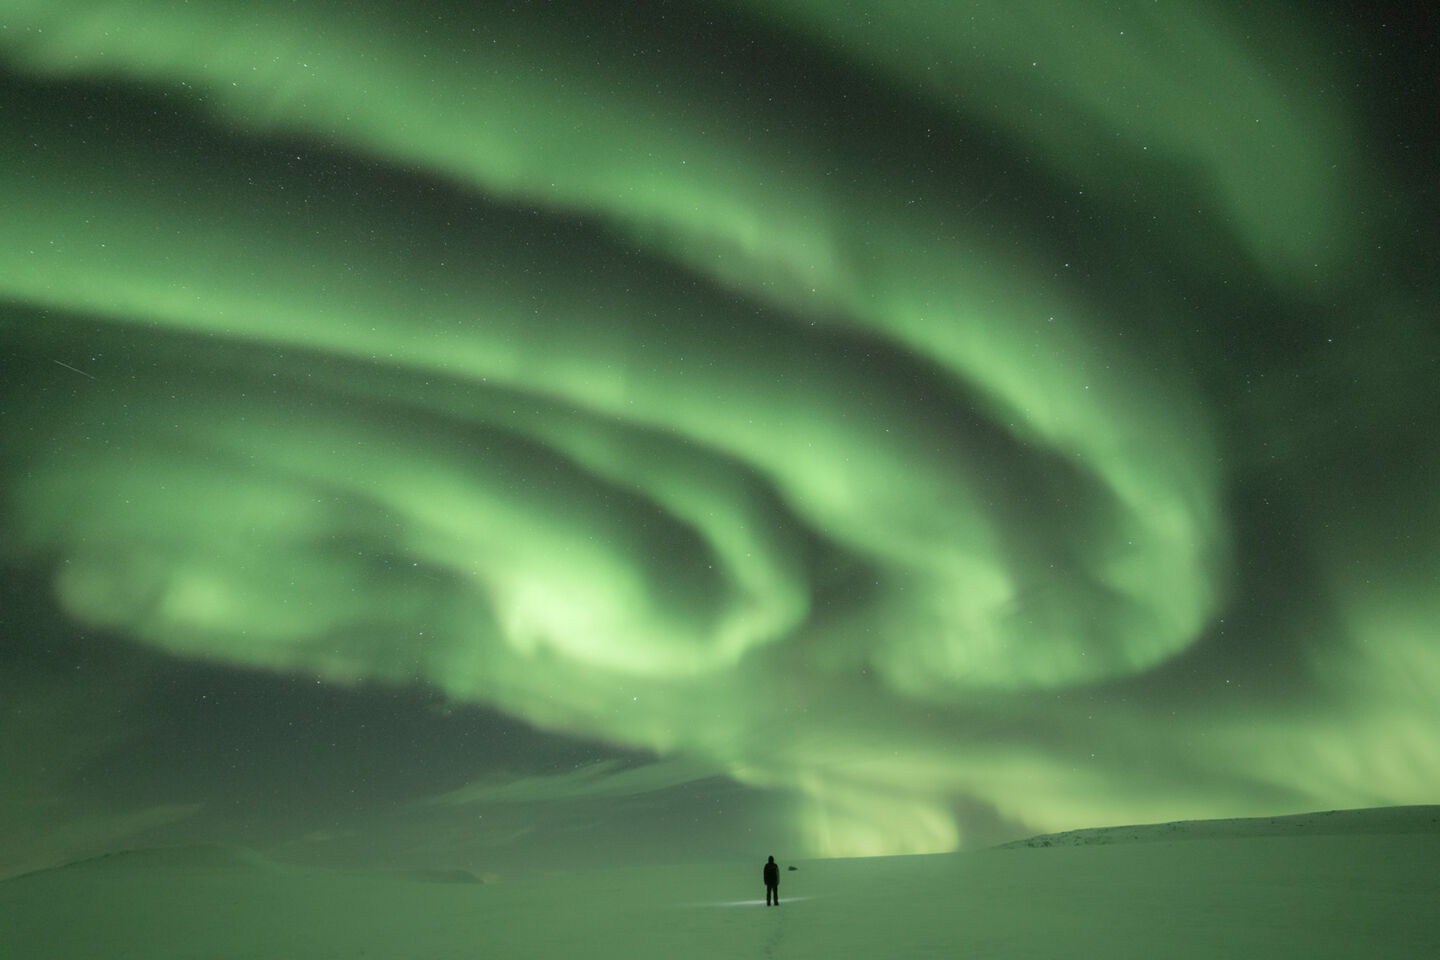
x=490, y=435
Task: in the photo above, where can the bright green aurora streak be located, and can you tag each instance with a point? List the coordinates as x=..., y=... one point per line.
x=868, y=423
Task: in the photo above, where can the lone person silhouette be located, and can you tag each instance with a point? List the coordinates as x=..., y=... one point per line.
x=772, y=882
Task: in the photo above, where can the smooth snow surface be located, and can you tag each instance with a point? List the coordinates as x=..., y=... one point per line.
x=1352, y=885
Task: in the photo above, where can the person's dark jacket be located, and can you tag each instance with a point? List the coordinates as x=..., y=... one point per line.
x=772, y=874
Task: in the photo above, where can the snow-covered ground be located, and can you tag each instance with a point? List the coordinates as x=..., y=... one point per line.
x=1355, y=884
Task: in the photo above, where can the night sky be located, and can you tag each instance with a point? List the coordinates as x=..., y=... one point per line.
x=537, y=434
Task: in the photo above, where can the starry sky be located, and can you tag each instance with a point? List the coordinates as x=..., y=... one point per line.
x=536, y=433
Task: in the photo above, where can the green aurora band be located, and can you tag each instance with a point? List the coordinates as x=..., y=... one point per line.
x=661, y=404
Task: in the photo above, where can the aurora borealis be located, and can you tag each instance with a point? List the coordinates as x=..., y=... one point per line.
x=900, y=422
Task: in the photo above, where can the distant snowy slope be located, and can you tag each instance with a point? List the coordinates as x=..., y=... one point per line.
x=1376, y=820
